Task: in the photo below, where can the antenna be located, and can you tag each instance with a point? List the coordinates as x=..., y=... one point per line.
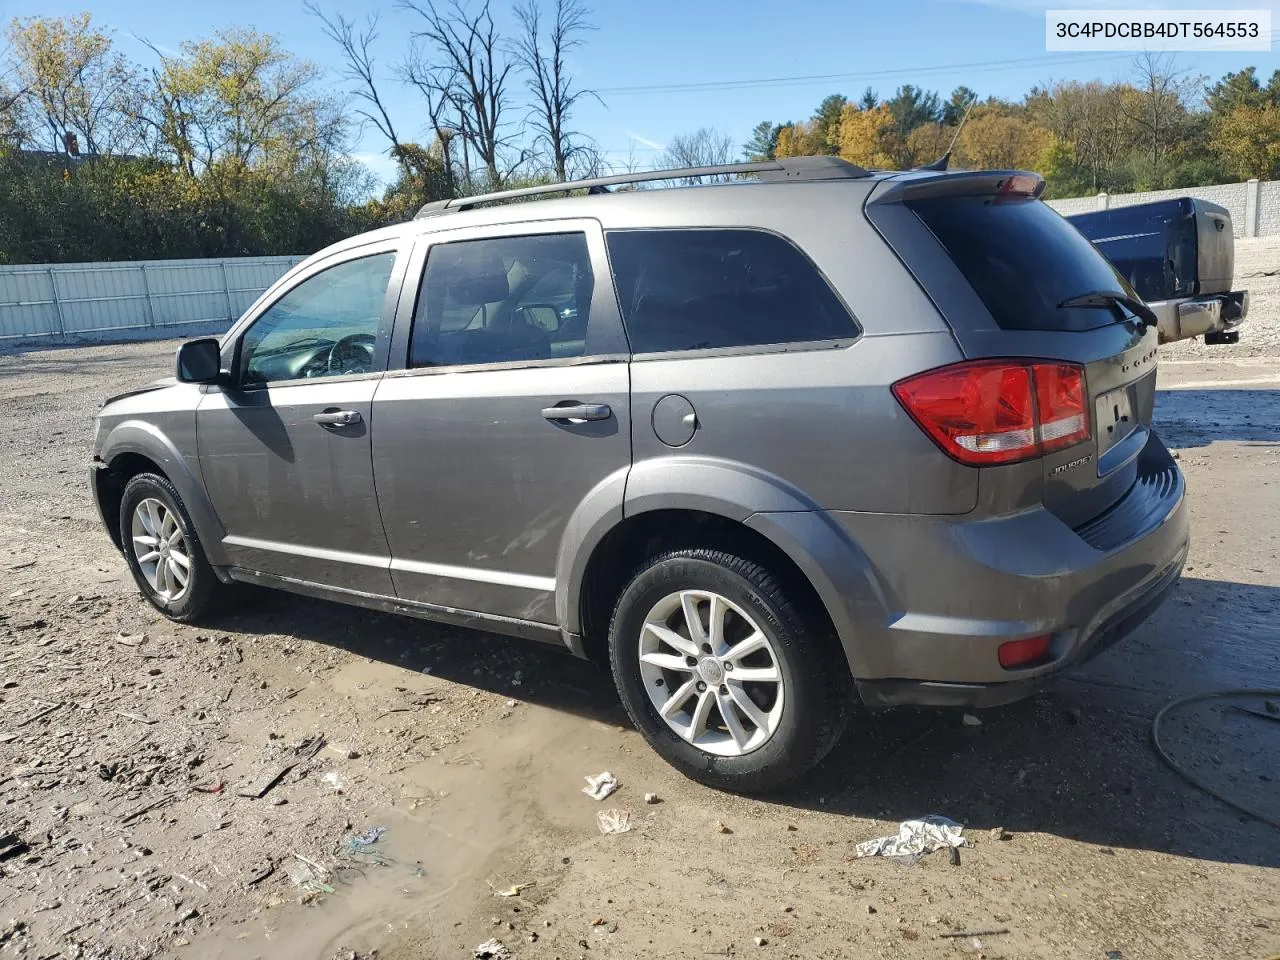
x=944, y=161
x=963, y=120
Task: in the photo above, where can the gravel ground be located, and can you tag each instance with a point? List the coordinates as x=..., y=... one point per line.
x=127, y=745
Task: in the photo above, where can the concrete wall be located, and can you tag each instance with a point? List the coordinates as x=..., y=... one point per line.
x=1269, y=209
x=1254, y=206
x=142, y=298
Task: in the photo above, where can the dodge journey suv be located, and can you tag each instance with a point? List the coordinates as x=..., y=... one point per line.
x=768, y=446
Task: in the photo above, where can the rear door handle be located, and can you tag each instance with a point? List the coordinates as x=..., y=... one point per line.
x=337, y=418
x=579, y=411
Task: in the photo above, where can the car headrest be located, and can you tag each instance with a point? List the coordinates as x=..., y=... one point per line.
x=475, y=273
x=478, y=289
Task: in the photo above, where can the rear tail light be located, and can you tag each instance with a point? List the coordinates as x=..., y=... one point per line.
x=985, y=412
x=1023, y=653
x=1060, y=405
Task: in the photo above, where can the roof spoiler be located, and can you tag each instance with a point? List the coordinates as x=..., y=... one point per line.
x=967, y=183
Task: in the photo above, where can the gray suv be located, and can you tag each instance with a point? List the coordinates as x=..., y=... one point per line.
x=766, y=446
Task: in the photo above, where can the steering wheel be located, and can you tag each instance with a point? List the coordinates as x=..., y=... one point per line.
x=351, y=354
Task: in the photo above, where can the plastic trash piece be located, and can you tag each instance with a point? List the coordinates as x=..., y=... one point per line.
x=915, y=838
x=514, y=890
x=600, y=786
x=493, y=949
x=333, y=780
x=369, y=836
x=305, y=876
x=614, y=821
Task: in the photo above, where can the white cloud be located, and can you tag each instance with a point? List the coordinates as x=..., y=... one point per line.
x=644, y=141
x=149, y=44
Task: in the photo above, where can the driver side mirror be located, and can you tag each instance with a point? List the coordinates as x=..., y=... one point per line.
x=200, y=361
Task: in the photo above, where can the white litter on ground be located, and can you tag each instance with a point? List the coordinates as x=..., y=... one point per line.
x=614, y=821
x=915, y=838
x=600, y=786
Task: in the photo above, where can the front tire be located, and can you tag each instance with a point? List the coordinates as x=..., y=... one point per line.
x=163, y=551
x=732, y=678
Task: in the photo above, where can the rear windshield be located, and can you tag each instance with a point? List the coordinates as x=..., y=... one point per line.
x=1023, y=260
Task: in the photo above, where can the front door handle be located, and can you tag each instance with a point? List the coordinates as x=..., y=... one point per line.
x=579, y=411
x=337, y=418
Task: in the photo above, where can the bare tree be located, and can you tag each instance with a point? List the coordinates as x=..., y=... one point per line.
x=1159, y=109
x=705, y=147
x=358, y=65
x=548, y=80
x=1091, y=118
x=360, y=68
x=470, y=77
x=632, y=163
x=437, y=87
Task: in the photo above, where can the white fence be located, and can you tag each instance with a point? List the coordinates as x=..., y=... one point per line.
x=1254, y=205
x=101, y=300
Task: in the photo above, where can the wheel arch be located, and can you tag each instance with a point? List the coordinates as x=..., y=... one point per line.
x=694, y=502
x=135, y=447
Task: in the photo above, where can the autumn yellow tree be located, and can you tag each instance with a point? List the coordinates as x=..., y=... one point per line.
x=799, y=140
x=1249, y=140
x=1001, y=141
x=927, y=143
x=77, y=94
x=866, y=136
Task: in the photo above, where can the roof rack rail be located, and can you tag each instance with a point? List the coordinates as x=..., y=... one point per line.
x=792, y=168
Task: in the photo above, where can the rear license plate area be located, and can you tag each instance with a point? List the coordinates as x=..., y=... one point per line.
x=1113, y=414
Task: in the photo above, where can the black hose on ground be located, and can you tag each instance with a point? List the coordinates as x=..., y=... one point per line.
x=1187, y=774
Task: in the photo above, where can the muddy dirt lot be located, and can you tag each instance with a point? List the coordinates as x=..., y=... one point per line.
x=126, y=743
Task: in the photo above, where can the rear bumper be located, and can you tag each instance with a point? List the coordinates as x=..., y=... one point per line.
x=1197, y=316
x=956, y=590
x=1134, y=609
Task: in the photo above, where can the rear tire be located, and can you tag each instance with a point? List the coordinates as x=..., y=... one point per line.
x=163, y=551
x=765, y=687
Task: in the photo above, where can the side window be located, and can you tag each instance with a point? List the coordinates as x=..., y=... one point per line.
x=503, y=300
x=698, y=289
x=325, y=326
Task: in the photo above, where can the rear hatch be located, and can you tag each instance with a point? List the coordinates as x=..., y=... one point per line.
x=1015, y=280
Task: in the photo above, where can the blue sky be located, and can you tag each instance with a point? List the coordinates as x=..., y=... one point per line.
x=658, y=42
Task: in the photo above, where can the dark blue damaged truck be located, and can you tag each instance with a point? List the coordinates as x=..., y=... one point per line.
x=1179, y=256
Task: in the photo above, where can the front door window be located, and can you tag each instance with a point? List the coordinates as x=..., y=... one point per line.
x=326, y=326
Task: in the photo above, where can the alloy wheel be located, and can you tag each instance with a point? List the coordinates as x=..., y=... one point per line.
x=711, y=672
x=160, y=549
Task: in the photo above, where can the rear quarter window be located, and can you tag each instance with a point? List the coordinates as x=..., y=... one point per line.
x=1022, y=259
x=708, y=289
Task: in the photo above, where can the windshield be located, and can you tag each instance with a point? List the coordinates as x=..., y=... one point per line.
x=1023, y=260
